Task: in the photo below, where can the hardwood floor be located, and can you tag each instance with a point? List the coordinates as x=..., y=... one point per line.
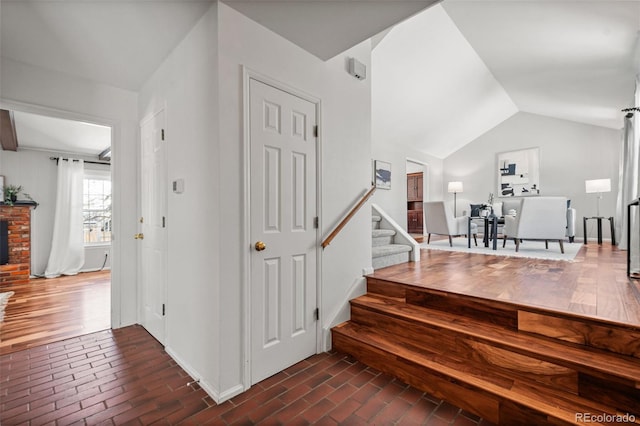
x=594, y=284
x=125, y=377
x=49, y=310
x=117, y=376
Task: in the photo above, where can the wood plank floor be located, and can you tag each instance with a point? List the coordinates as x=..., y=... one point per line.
x=594, y=284
x=125, y=377
x=49, y=310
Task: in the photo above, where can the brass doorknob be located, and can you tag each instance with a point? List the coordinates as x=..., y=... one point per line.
x=260, y=246
x=139, y=236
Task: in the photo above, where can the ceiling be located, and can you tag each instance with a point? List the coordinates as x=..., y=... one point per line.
x=57, y=134
x=119, y=43
x=444, y=78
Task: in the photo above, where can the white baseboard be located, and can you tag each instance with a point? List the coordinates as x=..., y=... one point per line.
x=216, y=395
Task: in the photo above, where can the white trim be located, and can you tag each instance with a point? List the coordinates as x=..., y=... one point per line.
x=247, y=75
x=192, y=372
x=116, y=279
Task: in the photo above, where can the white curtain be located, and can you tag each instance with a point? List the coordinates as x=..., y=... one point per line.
x=67, y=246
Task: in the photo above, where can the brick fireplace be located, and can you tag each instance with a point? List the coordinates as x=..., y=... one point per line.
x=18, y=219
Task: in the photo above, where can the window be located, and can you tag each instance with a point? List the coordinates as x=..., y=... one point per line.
x=97, y=209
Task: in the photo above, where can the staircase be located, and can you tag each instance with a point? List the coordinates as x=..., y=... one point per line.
x=509, y=364
x=390, y=244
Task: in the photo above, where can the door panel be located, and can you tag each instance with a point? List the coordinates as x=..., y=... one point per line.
x=153, y=259
x=283, y=208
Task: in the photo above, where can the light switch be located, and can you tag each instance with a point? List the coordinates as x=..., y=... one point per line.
x=178, y=186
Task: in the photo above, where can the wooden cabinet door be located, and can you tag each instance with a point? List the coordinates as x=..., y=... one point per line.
x=414, y=221
x=414, y=187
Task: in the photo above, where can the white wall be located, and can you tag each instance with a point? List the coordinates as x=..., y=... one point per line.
x=570, y=153
x=202, y=88
x=33, y=89
x=394, y=201
x=186, y=85
x=346, y=153
x=37, y=175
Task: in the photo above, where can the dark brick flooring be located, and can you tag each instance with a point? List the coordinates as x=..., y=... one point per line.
x=125, y=377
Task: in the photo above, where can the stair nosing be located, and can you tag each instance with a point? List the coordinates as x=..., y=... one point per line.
x=577, y=361
x=472, y=380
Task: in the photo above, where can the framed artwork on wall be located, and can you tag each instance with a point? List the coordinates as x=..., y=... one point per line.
x=1, y=188
x=383, y=174
x=519, y=173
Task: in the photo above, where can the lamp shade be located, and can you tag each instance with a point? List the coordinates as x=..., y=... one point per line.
x=454, y=187
x=597, y=185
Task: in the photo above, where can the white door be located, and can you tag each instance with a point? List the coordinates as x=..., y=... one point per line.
x=283, y=209
x=153, y=239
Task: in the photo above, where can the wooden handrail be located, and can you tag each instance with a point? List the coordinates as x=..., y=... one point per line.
x=347, y=218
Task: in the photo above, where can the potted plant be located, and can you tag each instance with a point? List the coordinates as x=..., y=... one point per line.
x=11, y=193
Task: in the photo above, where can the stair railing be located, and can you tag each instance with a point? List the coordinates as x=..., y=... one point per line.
x=348, y=217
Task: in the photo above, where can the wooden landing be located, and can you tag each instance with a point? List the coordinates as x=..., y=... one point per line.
x=595, y=284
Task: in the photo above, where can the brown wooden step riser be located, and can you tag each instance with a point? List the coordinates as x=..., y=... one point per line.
x=471, y=399
x=386, y=288
x=614, y=339
x=504, y=362
x=590, y=332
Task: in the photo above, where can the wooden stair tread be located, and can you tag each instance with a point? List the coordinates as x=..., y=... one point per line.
x=585, y=359
x=535, y=397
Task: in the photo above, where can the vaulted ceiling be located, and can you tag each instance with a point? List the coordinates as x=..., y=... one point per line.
x=445, y=76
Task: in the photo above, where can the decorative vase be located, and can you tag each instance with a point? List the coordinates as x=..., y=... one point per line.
x=13, y=198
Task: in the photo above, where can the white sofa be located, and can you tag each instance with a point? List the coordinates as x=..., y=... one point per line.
x=503, y=207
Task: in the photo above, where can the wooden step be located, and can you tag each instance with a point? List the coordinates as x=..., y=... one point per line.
x=582, y=330
x=591, y=373
x=496, y=398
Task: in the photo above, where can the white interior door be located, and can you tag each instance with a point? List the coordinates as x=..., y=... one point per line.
x=283, y=210
x=153, y=239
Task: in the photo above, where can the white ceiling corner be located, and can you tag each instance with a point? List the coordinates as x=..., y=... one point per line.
x=572, y=60
x=119, y=43
x=430, y=89
x=327, y=28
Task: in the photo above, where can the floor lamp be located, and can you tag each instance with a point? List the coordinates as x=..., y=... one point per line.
x=597, y=186
x=454, y=187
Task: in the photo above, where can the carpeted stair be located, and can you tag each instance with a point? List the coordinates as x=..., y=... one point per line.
x=385, y=251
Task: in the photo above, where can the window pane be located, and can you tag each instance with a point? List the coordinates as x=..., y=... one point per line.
x=97, y=210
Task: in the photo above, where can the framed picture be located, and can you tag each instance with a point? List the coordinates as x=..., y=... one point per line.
x=383, y=174
x=519, y=173
x=1, y=188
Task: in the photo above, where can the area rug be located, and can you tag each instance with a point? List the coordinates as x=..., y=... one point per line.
x=528, y=249
x=4, y=298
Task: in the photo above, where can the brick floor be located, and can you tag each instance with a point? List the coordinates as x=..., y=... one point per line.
x=125, y=377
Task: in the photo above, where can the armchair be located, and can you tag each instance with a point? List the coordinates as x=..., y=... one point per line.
x=538, y=218
x=440, y=221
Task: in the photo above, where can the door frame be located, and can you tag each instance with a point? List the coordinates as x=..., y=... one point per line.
x=116, y=250
x=247, y=76
x=140, y=308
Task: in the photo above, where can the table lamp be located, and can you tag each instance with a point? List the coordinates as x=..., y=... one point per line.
x=597, y=186
x=454, y=187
